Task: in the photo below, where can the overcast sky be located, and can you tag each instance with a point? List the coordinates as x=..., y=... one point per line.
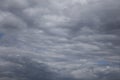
x=73, y=39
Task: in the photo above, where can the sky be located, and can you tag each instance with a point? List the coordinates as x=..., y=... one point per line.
x=60, y=39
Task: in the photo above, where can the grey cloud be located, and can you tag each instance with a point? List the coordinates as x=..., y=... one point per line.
x=17, y=65
x=24, y=70
x=75, y=38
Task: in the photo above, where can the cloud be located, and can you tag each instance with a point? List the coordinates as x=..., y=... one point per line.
x=16, y=64
x=75, y=38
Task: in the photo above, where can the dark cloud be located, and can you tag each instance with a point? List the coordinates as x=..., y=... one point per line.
x=77, y=39
x=17, y=65
x=24, y=69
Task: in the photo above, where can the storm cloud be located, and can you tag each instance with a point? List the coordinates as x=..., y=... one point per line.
x=72, y=39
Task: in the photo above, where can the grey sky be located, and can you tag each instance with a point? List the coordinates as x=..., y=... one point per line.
x=78, y=39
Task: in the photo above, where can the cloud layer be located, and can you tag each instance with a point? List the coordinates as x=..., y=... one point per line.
x=78, y=38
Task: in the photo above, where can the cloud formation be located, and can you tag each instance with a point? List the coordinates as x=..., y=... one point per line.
x=78, y=38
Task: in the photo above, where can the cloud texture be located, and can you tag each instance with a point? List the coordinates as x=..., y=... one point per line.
x=77, y=39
